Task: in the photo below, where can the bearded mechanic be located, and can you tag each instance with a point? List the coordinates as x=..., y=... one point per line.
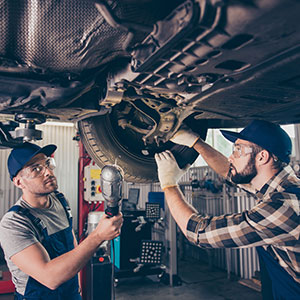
x=36, y=233
x=259, y=163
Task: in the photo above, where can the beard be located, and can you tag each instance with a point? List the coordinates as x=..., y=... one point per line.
x=45, y=188
x=246, y=175
x=51, y=185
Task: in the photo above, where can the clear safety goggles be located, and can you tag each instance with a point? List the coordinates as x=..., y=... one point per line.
x=239, y=150
x=37, y=170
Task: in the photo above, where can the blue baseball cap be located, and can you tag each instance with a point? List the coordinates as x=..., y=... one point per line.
x=268, y=135
x=21, y=155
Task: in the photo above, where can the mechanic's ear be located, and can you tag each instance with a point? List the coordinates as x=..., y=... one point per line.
x=18, y=182
x=263, y=157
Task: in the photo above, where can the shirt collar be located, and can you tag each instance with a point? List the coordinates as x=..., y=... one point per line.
x=274, y=184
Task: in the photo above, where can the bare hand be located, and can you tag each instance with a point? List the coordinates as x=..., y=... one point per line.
x=109, y=228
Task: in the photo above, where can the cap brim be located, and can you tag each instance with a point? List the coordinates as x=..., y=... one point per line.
x=47, y=150
x=231, y=136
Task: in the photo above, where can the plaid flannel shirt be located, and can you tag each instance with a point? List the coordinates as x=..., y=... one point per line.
x=272, y=223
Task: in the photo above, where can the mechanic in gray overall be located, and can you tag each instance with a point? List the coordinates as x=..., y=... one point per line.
x=259, y=163
x=36, y=233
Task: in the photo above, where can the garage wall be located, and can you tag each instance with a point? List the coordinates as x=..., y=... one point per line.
x=8, y=192
x=66, y=156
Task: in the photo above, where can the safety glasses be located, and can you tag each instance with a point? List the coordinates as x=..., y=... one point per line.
x=37, y=170
x=239, y=150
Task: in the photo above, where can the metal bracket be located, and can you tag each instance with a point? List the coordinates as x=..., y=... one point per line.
x=29, y=133
x=6, y=140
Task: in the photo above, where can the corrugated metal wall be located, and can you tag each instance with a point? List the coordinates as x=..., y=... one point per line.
x=8, y=192
x=66, y=157
x=248, y=259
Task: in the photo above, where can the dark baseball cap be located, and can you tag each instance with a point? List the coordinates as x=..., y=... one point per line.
x=21, y=155
x=268, y=135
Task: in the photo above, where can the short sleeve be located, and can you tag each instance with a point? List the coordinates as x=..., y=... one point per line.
x=16, y=234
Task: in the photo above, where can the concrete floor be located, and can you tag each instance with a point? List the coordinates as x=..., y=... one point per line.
x=199, y=282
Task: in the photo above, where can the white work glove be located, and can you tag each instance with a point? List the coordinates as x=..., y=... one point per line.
x=186, y=137
x=168, y=170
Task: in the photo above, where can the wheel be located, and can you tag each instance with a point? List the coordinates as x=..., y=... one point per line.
x=105, y=147
x=107, y=143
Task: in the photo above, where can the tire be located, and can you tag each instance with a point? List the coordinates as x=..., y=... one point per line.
x=107, y=143
x=102, y=144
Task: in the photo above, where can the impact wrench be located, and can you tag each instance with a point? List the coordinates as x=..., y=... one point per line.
x=111, y=181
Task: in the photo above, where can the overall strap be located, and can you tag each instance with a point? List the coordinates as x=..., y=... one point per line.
x=282, y=284
x=37, y=222
x=64, y=203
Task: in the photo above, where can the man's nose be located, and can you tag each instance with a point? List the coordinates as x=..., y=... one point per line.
x=230, y=158
x=48, y=171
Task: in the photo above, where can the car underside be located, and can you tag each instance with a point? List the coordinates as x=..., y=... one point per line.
x=130, y=72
